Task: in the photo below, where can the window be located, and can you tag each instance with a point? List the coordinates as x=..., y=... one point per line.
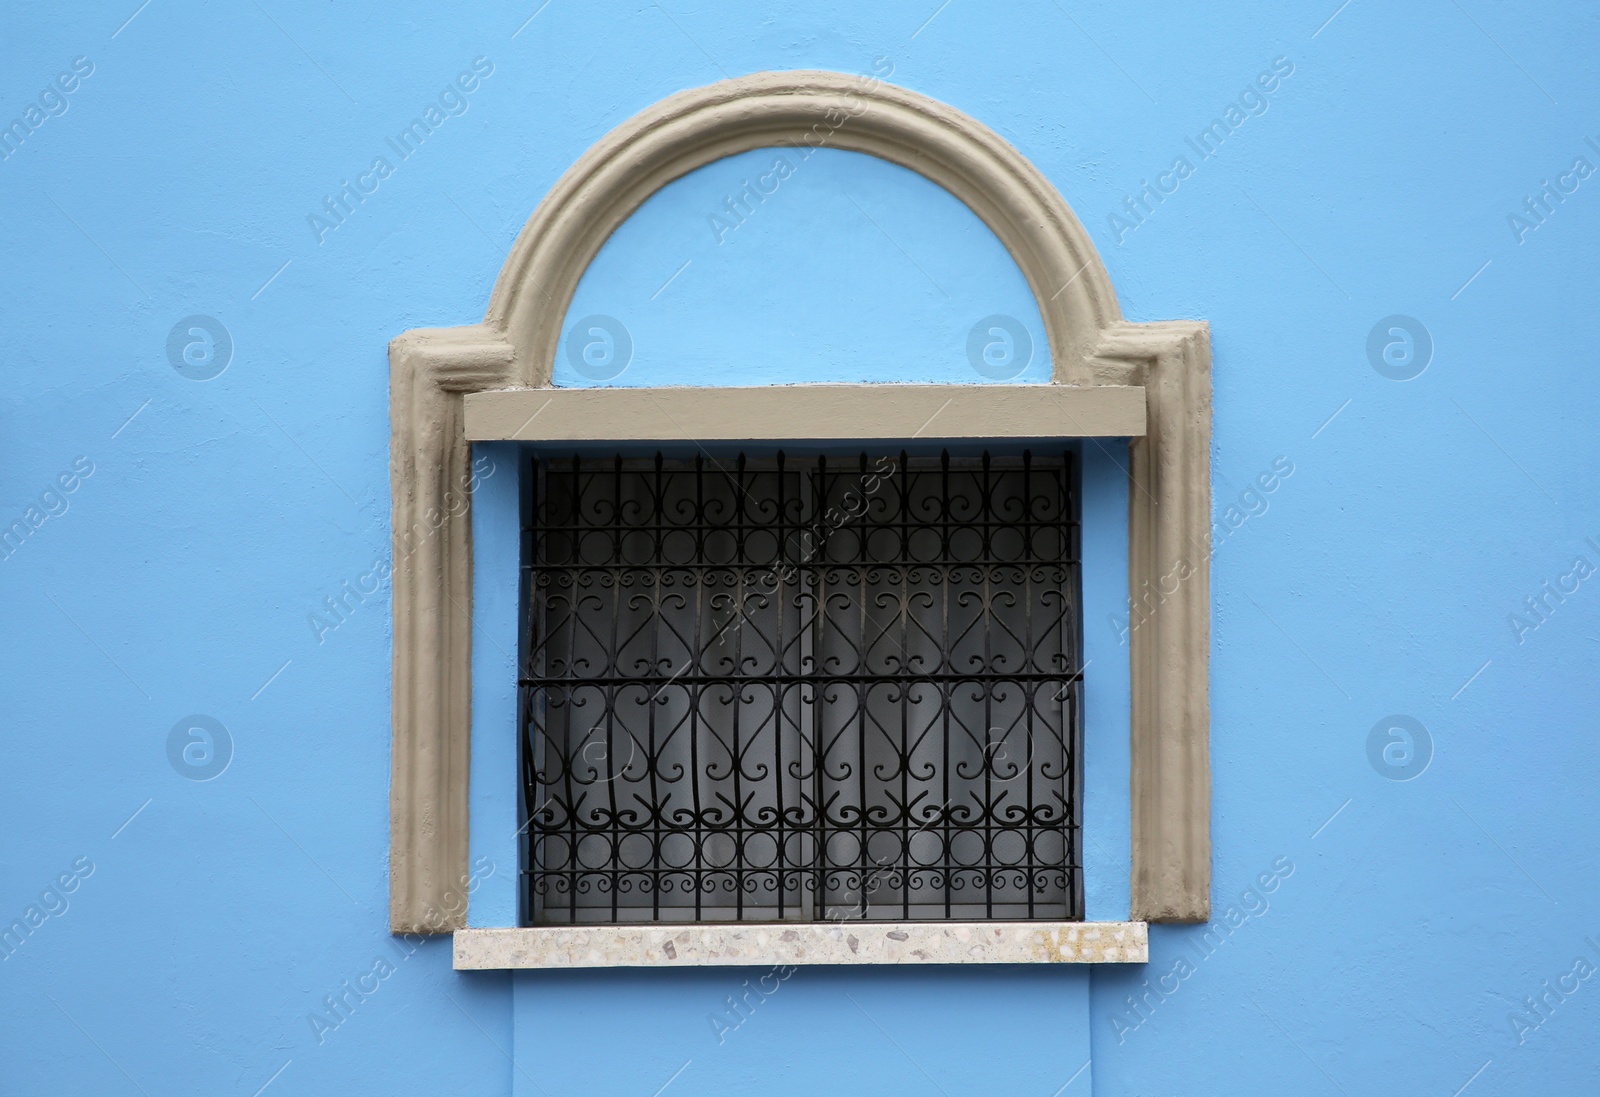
x=769, y=689
x=452, y=388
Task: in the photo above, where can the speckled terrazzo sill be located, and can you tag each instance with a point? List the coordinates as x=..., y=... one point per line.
x=803, y=943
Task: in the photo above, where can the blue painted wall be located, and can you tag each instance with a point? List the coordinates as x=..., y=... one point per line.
x=1401, y=314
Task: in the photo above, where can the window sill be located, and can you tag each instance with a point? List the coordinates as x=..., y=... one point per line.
x=801, y=943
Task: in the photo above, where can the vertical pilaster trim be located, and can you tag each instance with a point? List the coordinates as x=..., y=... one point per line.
x=1169, y=618
x=430, y=476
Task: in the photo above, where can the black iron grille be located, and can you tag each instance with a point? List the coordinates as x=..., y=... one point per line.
x=768, y=690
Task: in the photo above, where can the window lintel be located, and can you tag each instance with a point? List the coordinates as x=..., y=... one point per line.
x=885, y=412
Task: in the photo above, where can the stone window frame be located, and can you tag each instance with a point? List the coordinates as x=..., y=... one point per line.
x=450, y=387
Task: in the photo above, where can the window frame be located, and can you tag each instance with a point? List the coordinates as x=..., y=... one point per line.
x=451, y=387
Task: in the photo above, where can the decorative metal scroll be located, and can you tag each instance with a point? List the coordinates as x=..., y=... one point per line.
x=800, y=690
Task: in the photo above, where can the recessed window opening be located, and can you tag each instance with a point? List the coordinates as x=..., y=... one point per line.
x=837, y=687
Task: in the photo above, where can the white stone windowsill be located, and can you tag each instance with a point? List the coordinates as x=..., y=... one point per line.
x=767, y=944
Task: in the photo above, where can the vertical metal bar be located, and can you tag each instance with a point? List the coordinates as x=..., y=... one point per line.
x=655, y=820
x=566, y=747
x=946, y=664
x=613, y=675
x=1029, y=688
x=778, y=699
x=819, y=899
x=530, y=720
x=904, y=568
x=736, y=689
x=986, y=554
x=1073, y=735
x=696, y=660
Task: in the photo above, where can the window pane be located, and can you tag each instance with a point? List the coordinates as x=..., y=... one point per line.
x=796, y=691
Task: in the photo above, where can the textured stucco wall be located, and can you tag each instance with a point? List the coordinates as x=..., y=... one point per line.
x=182, y=531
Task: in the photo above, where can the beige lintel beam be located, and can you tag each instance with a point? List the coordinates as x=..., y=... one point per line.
x=806, y=412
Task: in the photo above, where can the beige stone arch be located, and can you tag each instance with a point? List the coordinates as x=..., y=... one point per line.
x=433, y=372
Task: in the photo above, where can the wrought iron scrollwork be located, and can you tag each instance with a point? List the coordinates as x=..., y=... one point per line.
x=769, y=690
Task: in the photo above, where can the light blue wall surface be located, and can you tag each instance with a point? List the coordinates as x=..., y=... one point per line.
x=182, y=575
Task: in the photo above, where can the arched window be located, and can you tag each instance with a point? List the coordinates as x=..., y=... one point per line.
x=785, y=819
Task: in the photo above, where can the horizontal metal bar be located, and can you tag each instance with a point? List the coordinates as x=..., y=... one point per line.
x=779, y=413
x=764, y=567
x=999, y=677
